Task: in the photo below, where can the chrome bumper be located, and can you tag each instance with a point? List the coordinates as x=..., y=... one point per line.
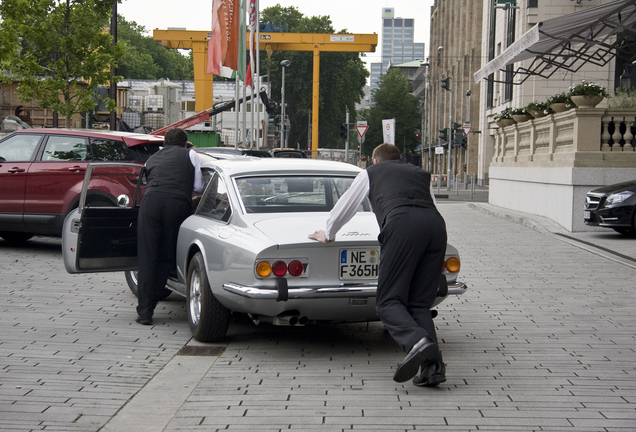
x=357, y=290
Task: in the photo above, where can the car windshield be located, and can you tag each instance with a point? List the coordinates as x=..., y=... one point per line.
x=283, y=194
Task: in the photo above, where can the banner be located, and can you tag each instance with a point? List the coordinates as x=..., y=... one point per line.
x=252, y=22
x=388, y=131
x=224, y=37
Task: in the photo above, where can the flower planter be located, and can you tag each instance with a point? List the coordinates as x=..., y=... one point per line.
x=559, y=107
x=537, y=114
x=521, y=118
x=505, y=122
x=584, y=101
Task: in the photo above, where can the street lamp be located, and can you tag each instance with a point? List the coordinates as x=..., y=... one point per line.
x=283, y=64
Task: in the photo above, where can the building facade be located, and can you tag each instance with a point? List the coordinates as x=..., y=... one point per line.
x=455, y=53
x=398, y=44
x=545, y=165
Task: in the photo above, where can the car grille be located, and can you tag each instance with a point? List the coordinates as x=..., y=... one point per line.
x=592, y=202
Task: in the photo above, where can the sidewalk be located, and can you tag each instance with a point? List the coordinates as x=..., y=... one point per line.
x=542, y=341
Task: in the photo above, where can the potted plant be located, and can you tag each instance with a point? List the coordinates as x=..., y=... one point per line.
x=622, y=99
x=587, y=94
x=537, y=109
x=504, y=118
x=560, y=102
x=520, y=115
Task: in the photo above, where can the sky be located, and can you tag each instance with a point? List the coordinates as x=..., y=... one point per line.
x=356, y=16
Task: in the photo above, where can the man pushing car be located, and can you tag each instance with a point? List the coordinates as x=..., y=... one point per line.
x=413, y=242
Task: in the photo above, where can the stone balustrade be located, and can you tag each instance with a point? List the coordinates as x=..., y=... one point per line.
x=545, y=166
x=588, y=137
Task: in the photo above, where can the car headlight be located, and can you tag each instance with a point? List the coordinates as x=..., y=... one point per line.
x=618, y=198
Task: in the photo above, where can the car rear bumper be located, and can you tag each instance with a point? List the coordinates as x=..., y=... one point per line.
x=348, y=291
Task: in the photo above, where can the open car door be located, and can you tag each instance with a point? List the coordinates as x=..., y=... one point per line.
x=101, y=234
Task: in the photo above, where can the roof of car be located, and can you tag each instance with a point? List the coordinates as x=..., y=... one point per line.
x=257, y=166
x=128, y=137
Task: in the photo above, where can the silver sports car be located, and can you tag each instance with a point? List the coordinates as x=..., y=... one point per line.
x=245, y=248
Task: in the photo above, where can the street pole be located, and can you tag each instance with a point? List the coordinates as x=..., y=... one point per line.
x=439, y=133
x=450, y=133
x=347, y=140
x=283, y=64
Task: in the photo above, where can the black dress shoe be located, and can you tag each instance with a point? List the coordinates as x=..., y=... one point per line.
x=144, y=321
x=423, y=351
x=432, y=375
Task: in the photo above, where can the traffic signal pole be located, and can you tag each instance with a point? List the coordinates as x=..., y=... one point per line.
x=347, y=140
x=450, y=132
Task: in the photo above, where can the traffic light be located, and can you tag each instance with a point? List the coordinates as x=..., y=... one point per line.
x=457, y=126
x=343, y=131
x=443, y=134
x=446, y=83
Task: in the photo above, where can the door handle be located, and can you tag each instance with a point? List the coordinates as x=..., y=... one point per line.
x=16, y=170
x=77, y=168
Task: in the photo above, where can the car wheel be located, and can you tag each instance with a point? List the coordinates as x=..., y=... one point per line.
x=131, y=280
x=15, y=237
x=208, y=318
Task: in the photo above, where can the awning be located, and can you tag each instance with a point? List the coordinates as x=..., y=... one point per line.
x=593, y=35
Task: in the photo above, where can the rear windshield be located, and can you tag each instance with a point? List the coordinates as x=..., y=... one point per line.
x=143, y=152
x=283, y=194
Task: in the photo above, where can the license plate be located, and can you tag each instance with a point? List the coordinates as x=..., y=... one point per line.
x=359, y=263
x=586, y=215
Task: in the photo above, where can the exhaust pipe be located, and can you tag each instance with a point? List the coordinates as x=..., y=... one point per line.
x=281, y=320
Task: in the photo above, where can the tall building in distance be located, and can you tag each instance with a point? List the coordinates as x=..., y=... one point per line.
x=398, y=44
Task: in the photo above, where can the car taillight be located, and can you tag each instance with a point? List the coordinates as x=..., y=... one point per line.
x=263, y=269
x=280, y=268
x=452, y=264
x=295, y=268
x=133, y=179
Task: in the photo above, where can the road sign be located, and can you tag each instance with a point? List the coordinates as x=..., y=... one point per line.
x=467, y=129
x=361, y=130
x=439, y=150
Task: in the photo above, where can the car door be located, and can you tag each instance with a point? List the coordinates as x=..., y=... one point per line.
x=16, y=156
x=56, y=175
x=102, y=238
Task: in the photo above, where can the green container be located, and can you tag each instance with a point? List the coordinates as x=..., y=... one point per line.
x=204, y=139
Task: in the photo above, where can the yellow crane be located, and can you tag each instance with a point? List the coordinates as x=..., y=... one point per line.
x=197, y=41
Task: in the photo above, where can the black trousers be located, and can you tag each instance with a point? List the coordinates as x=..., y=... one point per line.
x=413, y=244
x=160, y=217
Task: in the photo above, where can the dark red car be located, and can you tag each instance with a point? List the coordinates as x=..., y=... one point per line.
x=41, y=174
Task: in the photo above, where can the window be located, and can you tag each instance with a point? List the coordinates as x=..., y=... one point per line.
x=214, y=202
x=292, y=194
x=106, y=150
x=19, y=148
x=61, y=148
x=510, y=38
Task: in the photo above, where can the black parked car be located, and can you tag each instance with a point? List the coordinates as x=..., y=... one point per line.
x=612, y=206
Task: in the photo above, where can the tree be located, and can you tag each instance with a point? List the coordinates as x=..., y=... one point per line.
x=393, y=99
x=342, y=79
x=59, y=51
x=145, y=58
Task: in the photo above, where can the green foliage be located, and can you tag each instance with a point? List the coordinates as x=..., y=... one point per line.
x=58, y=51
x=144, y=58
x=586, y=88
x=560, y=98
x=519, y=111
x=537, y=106
x=393, y=99
x=342, y=80
x=504, y=115
x=622, y=99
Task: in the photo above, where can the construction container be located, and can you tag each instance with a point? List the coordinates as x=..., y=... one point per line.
x=136, y=103
x=132, y=118
x=154, y=103
x=204, y=139
x=154, y=120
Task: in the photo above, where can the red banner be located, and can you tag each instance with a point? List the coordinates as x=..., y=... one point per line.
x=224, y=38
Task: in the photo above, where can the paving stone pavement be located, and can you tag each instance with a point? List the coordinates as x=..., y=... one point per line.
x=544, y=340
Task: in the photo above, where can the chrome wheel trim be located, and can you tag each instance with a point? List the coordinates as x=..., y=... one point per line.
x=195, y=297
